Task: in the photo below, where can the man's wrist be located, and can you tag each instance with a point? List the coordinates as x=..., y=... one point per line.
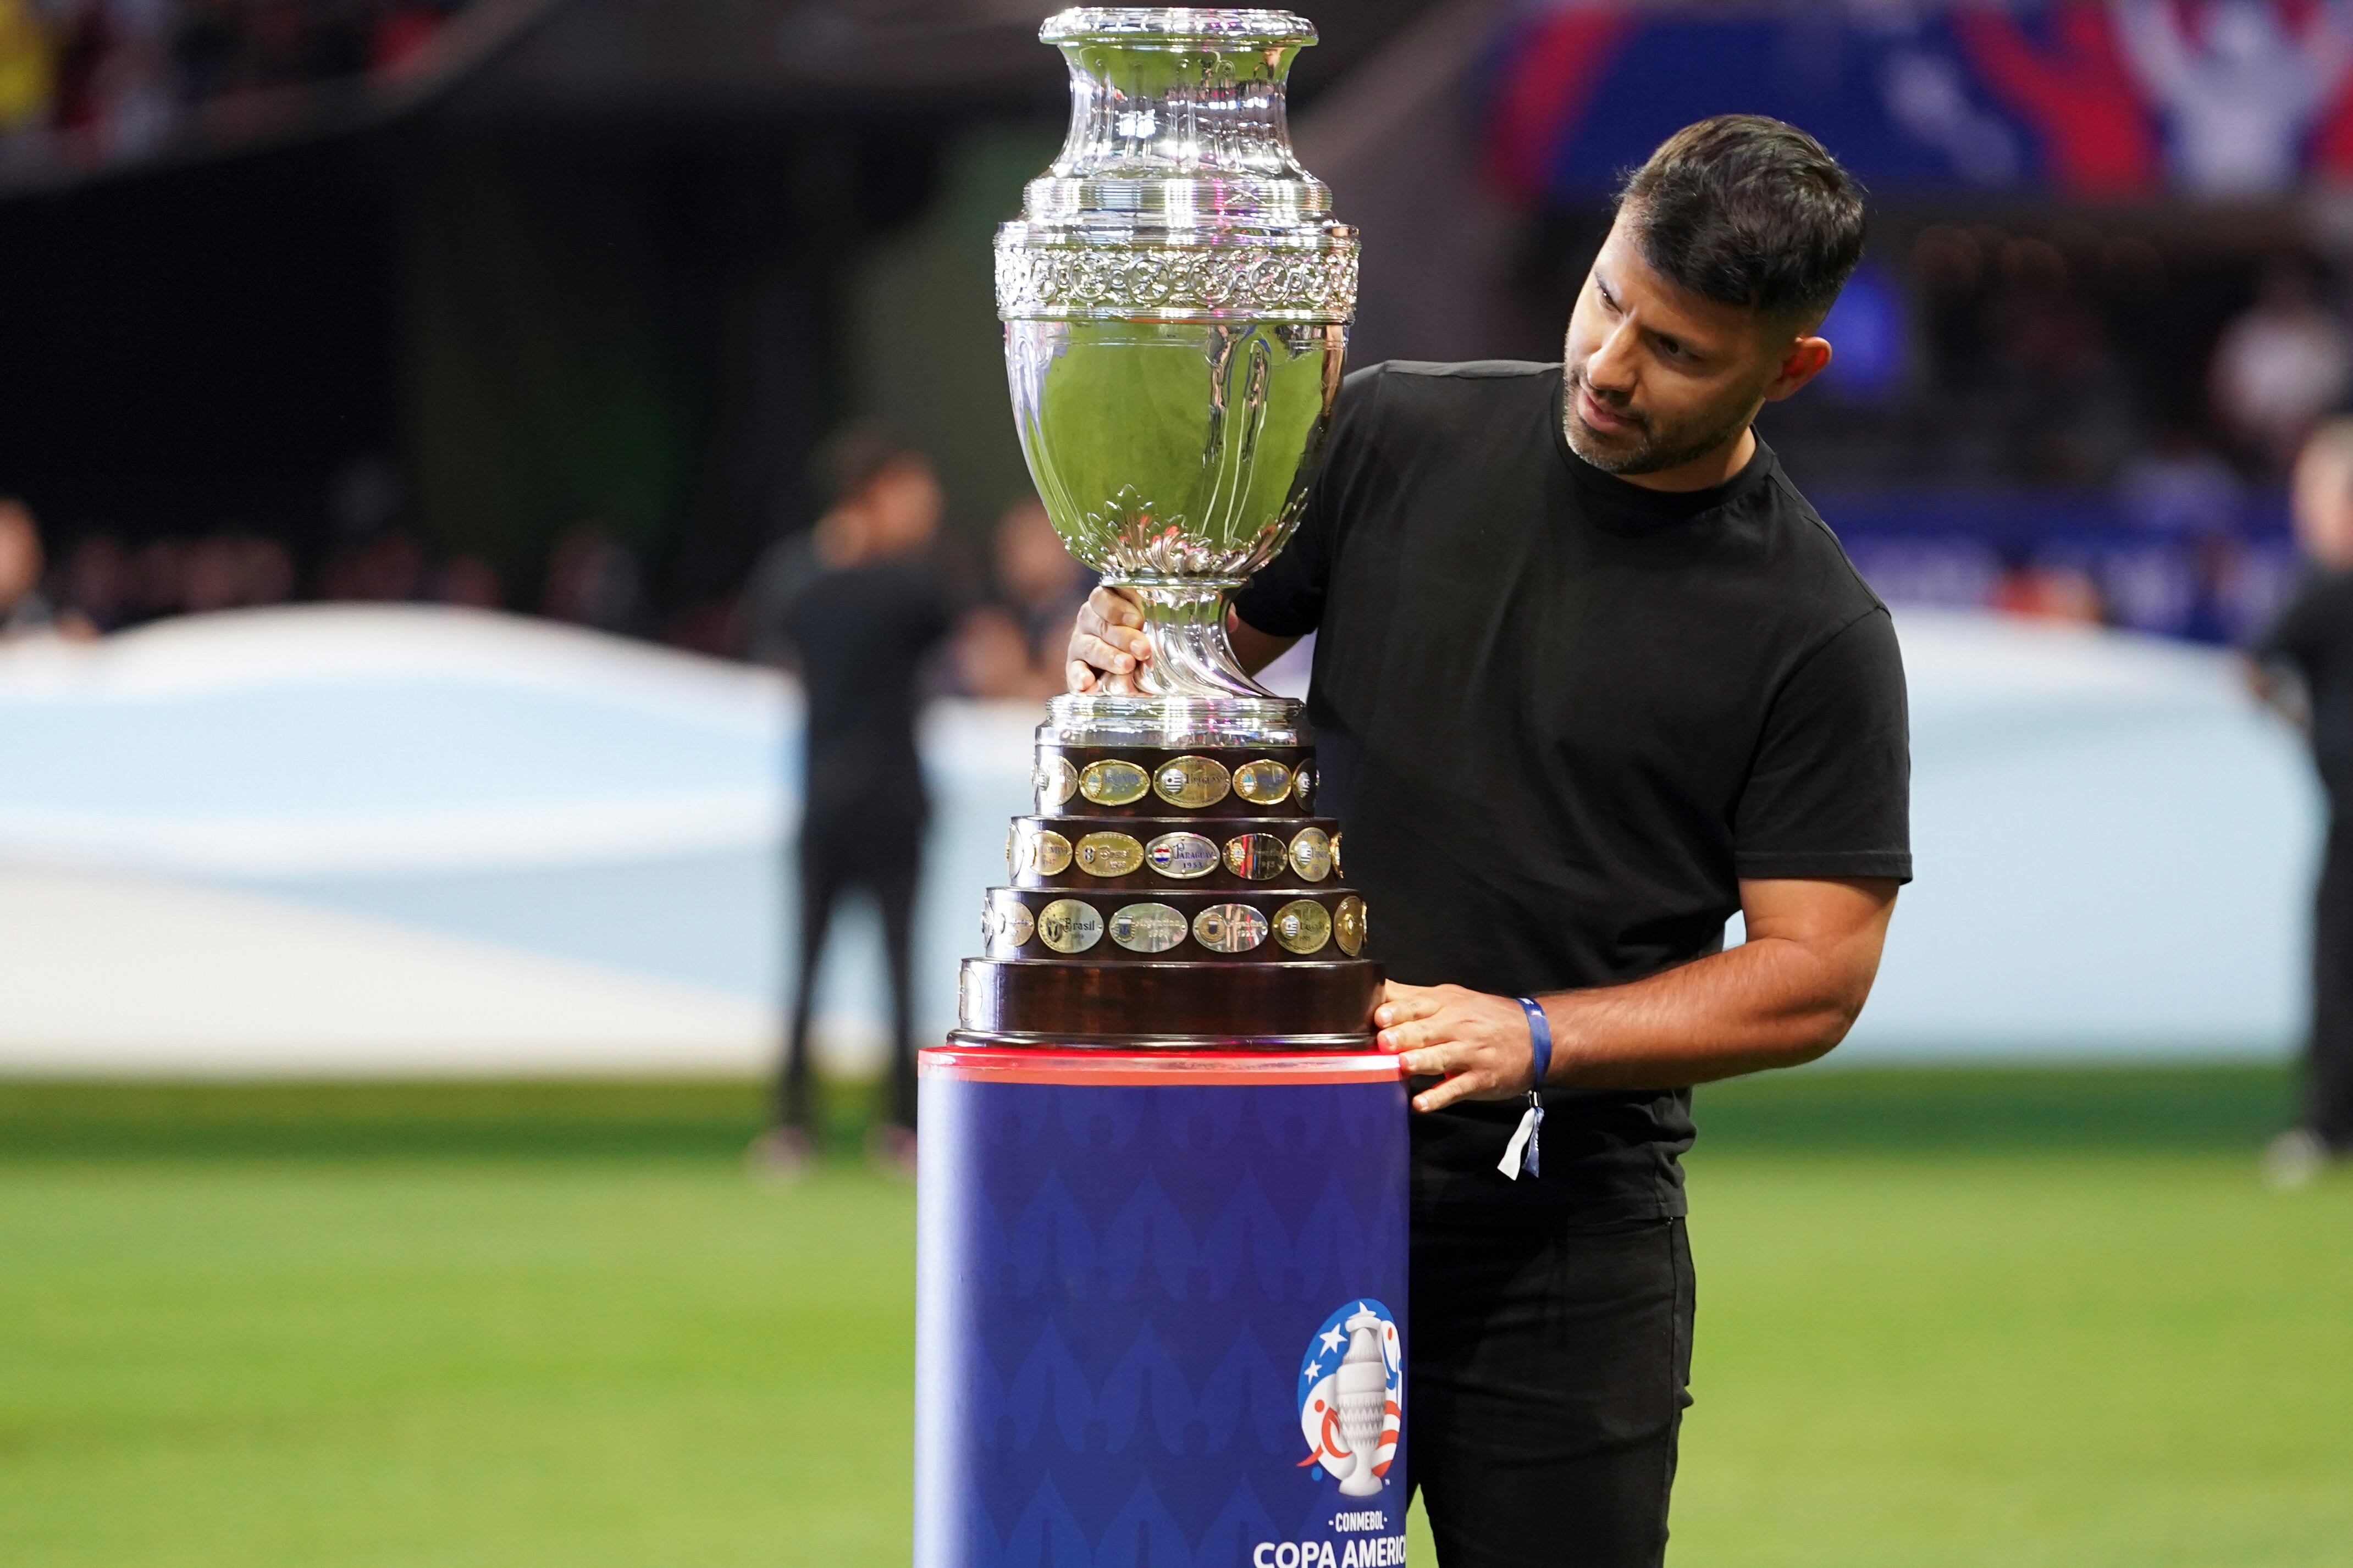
x=1539, y=1041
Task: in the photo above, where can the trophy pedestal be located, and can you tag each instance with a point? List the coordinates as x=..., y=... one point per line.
x=1139, y=1270
x=1164, y=1170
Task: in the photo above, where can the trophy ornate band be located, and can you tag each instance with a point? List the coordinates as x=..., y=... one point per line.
x=1161, y=1155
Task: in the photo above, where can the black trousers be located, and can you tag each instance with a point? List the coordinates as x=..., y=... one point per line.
x=885, y=859
x=1549, y=1371
x=2328, y=1065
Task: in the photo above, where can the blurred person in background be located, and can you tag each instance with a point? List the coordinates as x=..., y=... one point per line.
x=24, y=608
x=1012, y=647
x=158, y=586
x=2303, y=666
x=471, y=582
x=859, y=607
x=2281, y=366
x=1591, y=677
x=233, y=571
x=592, y=580
x=98, y=580
x=385, y=568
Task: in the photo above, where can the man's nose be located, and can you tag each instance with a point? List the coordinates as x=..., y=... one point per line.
x=1611, y=367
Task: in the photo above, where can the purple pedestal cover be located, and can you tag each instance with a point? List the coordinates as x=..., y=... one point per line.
x=1162, y=1311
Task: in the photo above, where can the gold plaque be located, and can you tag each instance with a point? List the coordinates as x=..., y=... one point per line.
x=1068, y=925
x=1015, y=924
x=1310, y=854
x=1263, y=782
x=1109, y=855
x=1335, y=856
x=1229, y=928
x=1182, y=855
x=1147, y=928
x=1348, y=925
x=1192, y=781
x=1050, y=853
x=1303, y=786
x=1256, y=856
x=1057, y=781
x=1302, y=926
x=1114, y=782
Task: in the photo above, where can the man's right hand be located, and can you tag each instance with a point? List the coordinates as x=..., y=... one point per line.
x=1107, y=648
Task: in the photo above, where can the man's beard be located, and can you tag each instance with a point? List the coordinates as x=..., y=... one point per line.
x=1653, y=450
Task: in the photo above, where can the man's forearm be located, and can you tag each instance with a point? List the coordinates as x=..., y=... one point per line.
x=1785, y=997
x=1766, y=1004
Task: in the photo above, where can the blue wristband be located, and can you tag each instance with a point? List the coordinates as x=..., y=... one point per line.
x=1539, y=1036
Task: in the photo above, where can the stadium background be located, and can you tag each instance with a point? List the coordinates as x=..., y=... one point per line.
x=390, y=897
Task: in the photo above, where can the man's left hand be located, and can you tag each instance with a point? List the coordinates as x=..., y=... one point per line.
x=1478, y=1044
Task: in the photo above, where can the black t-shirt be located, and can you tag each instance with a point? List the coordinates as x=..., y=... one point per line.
x=2313, y=635
x=1560, y=716
x=861, y=634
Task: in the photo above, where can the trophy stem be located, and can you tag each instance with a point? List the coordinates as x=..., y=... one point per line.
x=1194, y=692
x=1185, y=621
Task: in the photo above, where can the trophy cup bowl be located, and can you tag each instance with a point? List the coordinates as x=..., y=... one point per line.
x=1175, y=297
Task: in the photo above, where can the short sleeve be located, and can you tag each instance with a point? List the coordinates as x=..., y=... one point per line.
x=1829, y=792
x=1286, y=599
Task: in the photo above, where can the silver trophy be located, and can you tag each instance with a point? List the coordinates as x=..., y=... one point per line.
x=1176, y=297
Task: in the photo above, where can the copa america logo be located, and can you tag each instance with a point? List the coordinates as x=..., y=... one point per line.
x=1352, y=1398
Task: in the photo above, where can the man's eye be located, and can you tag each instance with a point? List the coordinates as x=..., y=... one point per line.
x=1672, y=350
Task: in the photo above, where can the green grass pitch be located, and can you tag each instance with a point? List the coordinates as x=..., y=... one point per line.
x=1946, y=1317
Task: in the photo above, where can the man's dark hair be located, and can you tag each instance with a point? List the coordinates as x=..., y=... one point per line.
x=854, y=455
x=1748, y=211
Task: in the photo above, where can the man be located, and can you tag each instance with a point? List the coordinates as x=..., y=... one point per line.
x=2312, y=640
x=860, y=608
x=1590, y=678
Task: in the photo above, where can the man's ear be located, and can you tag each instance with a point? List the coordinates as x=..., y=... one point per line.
x=1802, y=362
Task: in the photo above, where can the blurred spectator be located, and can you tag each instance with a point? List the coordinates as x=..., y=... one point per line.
x=233, y=571
x=863, y=608
x=993, y=658
x=98, y=582
x=2281, y=366
x=157, y=585
x=1013, y=648
x=387, y=569
x=593, y=581
x=472, y=582
x=2312, y=641
x=1041, y=579
x=24, y=608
